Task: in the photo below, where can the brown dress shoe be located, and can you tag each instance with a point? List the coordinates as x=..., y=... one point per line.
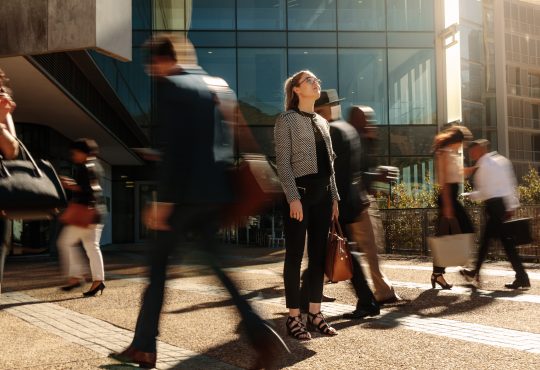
x=146, y=360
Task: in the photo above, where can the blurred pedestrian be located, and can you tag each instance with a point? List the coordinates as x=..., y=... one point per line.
x=305, y=167
x=367, y=230
x=192, y=190
x=495, y=185
x=347, y=146
x=448, y=149
x=8, y=150
x=83, y=219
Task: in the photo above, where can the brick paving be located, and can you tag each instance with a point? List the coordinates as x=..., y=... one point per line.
x=97, y=335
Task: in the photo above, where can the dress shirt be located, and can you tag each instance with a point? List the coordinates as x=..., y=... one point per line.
x=495, y=179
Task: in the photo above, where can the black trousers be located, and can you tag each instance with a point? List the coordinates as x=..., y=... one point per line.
x=202, y=220
x=365, y=296
x=495, y=228
x=317, y=209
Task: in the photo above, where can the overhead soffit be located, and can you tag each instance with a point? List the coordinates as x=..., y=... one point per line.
x=40, y=101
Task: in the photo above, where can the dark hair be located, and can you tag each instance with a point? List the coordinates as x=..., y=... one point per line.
x=291, y=99
x=160, y=46
x=451, y=135
x=85, y=145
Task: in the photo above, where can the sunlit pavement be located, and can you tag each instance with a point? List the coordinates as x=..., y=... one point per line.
x=485, y=327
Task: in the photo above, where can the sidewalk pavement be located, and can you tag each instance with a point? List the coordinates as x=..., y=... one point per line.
x=43, y=328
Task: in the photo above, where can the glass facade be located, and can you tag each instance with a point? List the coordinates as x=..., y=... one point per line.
x=374, y=52
x=477, y=50
x=522, y=47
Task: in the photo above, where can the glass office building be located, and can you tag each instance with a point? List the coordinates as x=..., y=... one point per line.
x=374, y=52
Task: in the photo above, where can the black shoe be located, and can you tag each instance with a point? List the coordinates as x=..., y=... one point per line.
x=362, y=312
x=439, y=279
x=519, y=283
x=394, y=299
x=469, y=275
x=67, y=288
x=94, y=291
x=326, y=298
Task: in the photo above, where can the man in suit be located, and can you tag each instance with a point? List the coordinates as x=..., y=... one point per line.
x=346, y=145
x=193, y=189
x=495, y=185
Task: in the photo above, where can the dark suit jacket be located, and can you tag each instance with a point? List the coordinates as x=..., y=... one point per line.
x=347, y=165
x=186, y=114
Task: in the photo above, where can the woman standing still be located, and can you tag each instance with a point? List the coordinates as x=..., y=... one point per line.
x=448, y=146
x=305, y=168
x=86, y=191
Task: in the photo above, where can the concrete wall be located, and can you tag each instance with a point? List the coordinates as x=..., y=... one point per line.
x=29, y=27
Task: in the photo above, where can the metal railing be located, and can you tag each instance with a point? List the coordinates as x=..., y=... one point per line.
x=407, y=231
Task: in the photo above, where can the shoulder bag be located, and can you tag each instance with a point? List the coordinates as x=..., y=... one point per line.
x=29, y=189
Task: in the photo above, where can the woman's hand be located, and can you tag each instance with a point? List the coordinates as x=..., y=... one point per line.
x=335, y=210
x=296, y=210
x=7, y=105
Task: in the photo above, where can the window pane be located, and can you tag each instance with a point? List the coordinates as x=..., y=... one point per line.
x=220, y=63
x=362, y=80
x=169, y=14
x=472, y=43
x=261, y=14
x=212, y=15
x=312, y=15
x=141, y=11
x=411, y=84
x=410, y=15
x=260, y=85
x=411, y=141
x=322, y=62
x=366, y=15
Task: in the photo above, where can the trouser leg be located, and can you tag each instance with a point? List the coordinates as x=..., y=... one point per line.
x=71, y=256
x=295, y=238
x=362, y=233
x=93, y=251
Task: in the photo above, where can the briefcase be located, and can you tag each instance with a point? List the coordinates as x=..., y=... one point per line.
x=519, y=230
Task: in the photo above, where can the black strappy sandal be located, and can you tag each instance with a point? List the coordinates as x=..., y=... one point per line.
x=322, y=327
x=297, y=329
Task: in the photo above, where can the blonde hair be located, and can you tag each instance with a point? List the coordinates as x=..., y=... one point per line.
x=291, y=99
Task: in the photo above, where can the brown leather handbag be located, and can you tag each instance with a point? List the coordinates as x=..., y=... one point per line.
x=338, y=258
x=79, y=215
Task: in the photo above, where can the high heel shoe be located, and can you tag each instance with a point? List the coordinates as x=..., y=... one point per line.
x=439, y=279
x=93, y=292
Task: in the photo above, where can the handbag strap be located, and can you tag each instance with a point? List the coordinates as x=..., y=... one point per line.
x=336, y=225
x=27, y=156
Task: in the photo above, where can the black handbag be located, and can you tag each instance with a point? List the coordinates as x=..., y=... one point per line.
x=29, y=189
x=519, y=230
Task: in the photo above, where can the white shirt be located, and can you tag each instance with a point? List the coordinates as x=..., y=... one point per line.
x=495, y=178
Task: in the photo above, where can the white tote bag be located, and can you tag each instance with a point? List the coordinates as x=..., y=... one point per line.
x=451, y=250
